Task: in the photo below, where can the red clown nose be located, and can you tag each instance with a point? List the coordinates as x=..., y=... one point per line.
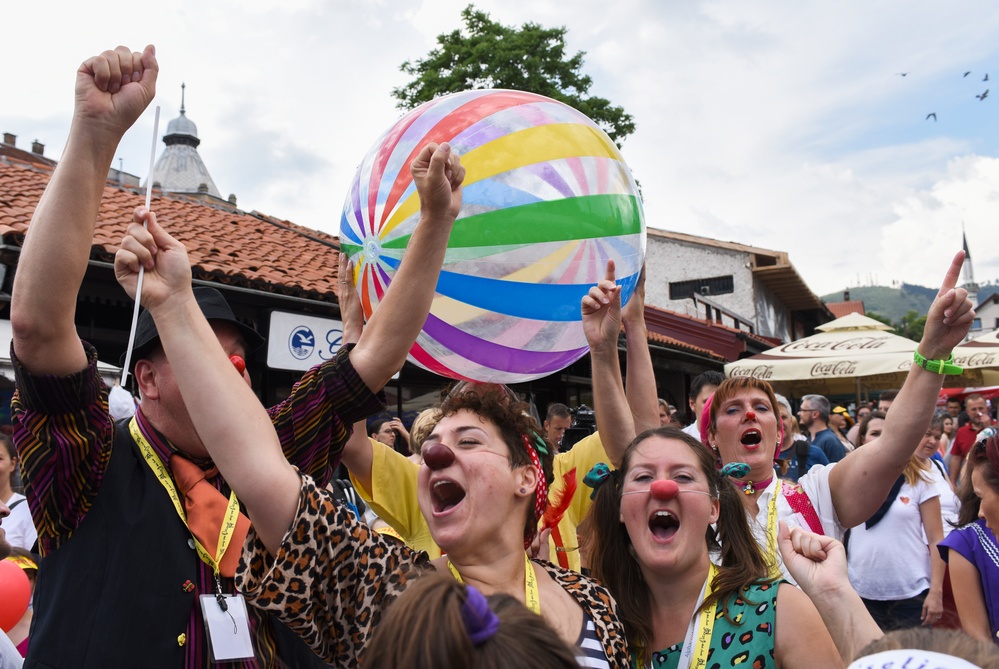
x=238, y=362
x=664, y=490
x=750, y=415
x=438, y=456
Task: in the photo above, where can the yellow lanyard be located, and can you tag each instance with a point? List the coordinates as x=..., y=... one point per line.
x=163, y=476
x=531, y=598
x=772, y=556
x=697, y=643
x=705, y=624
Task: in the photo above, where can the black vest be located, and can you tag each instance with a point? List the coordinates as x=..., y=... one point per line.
x=113, y=594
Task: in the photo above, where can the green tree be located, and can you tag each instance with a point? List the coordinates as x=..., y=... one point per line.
x=912, y=325
x=883, y=319
x=486, y=54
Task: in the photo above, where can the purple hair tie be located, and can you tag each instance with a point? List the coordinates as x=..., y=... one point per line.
x=480, y=621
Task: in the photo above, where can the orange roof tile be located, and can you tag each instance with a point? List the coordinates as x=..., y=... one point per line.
x=225, y=245
x=684, y=346
x=840, y=309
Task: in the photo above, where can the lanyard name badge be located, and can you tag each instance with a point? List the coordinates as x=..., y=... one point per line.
x=532, y=600
x=698, y=640
x=226, y=620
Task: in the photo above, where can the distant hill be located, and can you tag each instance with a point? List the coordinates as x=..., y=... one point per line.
x=893, y=303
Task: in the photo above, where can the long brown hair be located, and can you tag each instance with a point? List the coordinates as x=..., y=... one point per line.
x=425, y=628
x=865, y=425
x=916, y=469
x=614, y=563
x=985, y=457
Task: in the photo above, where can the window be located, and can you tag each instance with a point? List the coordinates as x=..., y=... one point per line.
x=716, y=285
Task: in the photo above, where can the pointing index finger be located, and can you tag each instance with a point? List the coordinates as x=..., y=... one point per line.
x=953, y=273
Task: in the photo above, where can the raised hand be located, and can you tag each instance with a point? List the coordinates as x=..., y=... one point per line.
x=438, y=174
x=950, y=316
x=114, y=88
x=350, y=302
x=634, y=310
x=601, y=310
x=167, y=268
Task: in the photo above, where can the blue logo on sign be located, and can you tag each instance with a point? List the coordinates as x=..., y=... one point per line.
x=302, y=342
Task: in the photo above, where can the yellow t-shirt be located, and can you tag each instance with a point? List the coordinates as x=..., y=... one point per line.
x=586, y=453
x=393, y=497
x=394, y=484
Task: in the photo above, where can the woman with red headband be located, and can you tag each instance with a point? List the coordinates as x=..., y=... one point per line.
x=741, y=425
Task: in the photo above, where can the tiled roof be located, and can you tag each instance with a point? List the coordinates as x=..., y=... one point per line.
x=840, y=309
x=225, y=245
x=684, y=346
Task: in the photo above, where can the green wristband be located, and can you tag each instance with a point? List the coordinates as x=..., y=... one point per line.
x=938, y=366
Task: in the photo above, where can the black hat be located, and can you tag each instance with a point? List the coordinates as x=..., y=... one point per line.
x=215, y=309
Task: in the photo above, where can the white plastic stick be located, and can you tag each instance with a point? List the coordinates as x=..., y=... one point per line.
x=138, y=283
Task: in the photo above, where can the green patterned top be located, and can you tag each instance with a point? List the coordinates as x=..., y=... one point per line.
x=748, y=643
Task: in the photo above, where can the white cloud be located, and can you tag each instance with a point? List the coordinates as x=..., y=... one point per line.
x=778, y=124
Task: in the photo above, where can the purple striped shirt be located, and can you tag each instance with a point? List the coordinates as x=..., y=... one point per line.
x=64, y=435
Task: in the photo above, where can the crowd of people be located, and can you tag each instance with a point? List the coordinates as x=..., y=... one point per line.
x=208, y=529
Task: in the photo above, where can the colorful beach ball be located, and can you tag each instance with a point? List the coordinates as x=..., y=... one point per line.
x=547, y=200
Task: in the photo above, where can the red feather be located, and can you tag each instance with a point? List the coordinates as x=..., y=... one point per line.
x=560, y=501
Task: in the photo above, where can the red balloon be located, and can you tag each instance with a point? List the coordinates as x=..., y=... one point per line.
x=15, y=592
x=664, y=490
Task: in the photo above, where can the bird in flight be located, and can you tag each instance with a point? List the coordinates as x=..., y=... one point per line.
x=986, y=77
x=933, y=114
x=967, y=73
x=983, y=95
x=902, y=74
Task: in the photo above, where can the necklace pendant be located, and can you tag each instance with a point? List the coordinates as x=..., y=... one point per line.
x=749, y=489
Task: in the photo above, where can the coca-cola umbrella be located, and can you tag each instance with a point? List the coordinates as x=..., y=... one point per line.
x=980, y=359
x=847, y=356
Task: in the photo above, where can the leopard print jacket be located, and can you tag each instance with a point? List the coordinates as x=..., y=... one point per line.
x=333, y=578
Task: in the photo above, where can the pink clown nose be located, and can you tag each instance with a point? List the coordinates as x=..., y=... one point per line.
x=664, y=490
x=438, y=456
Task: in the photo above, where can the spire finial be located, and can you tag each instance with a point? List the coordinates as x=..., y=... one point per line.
x=182, y=98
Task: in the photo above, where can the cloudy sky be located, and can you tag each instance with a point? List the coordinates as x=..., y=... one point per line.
x=785, y=125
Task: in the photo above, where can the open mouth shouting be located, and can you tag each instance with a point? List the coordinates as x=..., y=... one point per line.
x=445, y=495
x=751, y=438
x=663, y=525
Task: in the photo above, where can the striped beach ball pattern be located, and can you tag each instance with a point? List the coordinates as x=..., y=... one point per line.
x=547, y=200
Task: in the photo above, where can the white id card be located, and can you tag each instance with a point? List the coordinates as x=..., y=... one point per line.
x=228, y=630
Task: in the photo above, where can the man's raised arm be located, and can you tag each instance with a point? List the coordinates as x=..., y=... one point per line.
x=112, y=90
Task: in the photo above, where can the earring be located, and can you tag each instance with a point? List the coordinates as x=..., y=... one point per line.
x=523, y=491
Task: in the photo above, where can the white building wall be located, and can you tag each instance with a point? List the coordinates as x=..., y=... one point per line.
x=668, y=260
x=772, y=318
x=986, y=318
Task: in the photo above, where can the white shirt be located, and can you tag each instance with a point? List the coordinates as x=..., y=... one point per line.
x=9, y=657
x=816, y=485
x=891, y=561
x=693, y=430
x=950, y=505
x=18, y=526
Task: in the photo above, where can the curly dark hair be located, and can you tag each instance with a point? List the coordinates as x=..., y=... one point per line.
x=498, y=405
